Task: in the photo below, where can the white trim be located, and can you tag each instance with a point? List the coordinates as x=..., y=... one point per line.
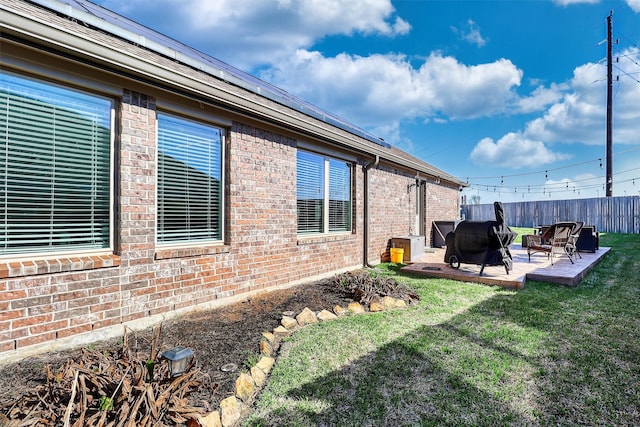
x=39, y=70
x=203, y=115
x=188, y=114
x=325, y=201
x=92, y=92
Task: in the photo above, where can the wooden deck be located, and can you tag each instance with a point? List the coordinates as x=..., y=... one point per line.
x=432, y=264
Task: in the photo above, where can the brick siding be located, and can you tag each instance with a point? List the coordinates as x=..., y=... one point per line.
x=53, y=302
x=44, y=302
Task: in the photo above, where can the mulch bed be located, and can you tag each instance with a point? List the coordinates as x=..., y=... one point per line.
x=111, y=383
x=225, y=336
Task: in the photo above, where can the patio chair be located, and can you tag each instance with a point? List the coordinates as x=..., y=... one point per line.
x=556, y=240
x=572, y=244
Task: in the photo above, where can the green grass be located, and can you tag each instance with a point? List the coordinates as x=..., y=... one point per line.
x=474, y=355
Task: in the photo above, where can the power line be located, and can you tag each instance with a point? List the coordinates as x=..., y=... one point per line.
x=599, y=159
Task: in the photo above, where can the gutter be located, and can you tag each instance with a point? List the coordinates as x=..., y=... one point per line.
x=365, y=237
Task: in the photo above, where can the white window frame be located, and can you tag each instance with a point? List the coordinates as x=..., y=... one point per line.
x=192, y=242
x=74, y=250
x=326, y=205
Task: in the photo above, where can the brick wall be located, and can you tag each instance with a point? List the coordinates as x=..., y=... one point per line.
x=393, y=205
x=57, y=302
x=53, y=303
x=392, y=208
x=442, y=204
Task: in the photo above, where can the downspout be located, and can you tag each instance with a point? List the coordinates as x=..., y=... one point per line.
x=365, y=237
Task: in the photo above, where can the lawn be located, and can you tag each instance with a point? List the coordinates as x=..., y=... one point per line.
x=471, y=354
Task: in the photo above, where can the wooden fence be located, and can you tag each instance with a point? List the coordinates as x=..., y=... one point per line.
x=608, y=214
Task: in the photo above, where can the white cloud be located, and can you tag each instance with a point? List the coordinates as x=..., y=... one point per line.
x=634, y=5
x=471, y=34
x=249, y=33
x=580, y=116
x=514, y=151
x=368, y=90
x=577, y=114
x=540, y=98
x=570, y=2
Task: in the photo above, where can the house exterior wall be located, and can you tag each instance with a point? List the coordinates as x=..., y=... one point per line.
x=143, y=283
x=50, y=302
x=442, y=204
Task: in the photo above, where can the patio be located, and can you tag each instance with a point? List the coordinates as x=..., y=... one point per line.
x=563, y=272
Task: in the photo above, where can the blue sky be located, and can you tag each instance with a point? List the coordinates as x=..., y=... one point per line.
x=509, y=95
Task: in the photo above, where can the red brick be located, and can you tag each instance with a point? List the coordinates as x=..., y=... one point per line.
x=37, y=339
x=31, y=320
x=11, y=314
x=133, y=316
x=62, y=333
x=67, y=296
x=7, y=346
x=67, y=314
x=106, y=323
x=46, y=327
x=104, y=306
x=13, y=295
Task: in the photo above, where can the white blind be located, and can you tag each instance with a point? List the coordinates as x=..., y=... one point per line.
x=339, y=196
x=54, y=167
x=310, y=189
x=324, y=194
x=189, y=180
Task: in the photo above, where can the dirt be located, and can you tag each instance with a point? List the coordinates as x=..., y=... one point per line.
x=225, y=336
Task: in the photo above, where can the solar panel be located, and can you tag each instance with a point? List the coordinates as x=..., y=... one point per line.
x=135, y=32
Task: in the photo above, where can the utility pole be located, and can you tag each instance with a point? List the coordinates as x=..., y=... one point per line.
x=609, y=182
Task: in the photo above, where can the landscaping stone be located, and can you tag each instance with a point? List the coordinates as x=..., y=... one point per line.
x=281, y=331
x=400, y=303
x=326, y=315
x=230, y=411
x=376, y=306
x=355, y=308
x=388, y=302
x=269, y=337
x=289, y=322
x=266, y=363
x=339, y=310
x=259, y=376
x=211, y=420
x=266, y=348
x=306, y=317
x=245, y=386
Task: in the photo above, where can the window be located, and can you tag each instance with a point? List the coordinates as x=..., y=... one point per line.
x=55, y=168
x=189, y=180
x=324, y=194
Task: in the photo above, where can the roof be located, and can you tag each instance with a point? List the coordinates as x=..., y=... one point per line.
x=135, y=32
x=140, y=35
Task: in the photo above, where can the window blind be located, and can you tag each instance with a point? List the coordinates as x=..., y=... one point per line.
x=324, y=194
x=310, y=189
x=55, y=171
x=339, y=196
x=189, y=180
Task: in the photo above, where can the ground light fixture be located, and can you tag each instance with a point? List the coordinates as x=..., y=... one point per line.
x=178, y=358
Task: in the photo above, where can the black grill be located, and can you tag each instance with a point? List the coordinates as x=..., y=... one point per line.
x=484, y=243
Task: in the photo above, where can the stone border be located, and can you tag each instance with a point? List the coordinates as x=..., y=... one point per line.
x=249, y=384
